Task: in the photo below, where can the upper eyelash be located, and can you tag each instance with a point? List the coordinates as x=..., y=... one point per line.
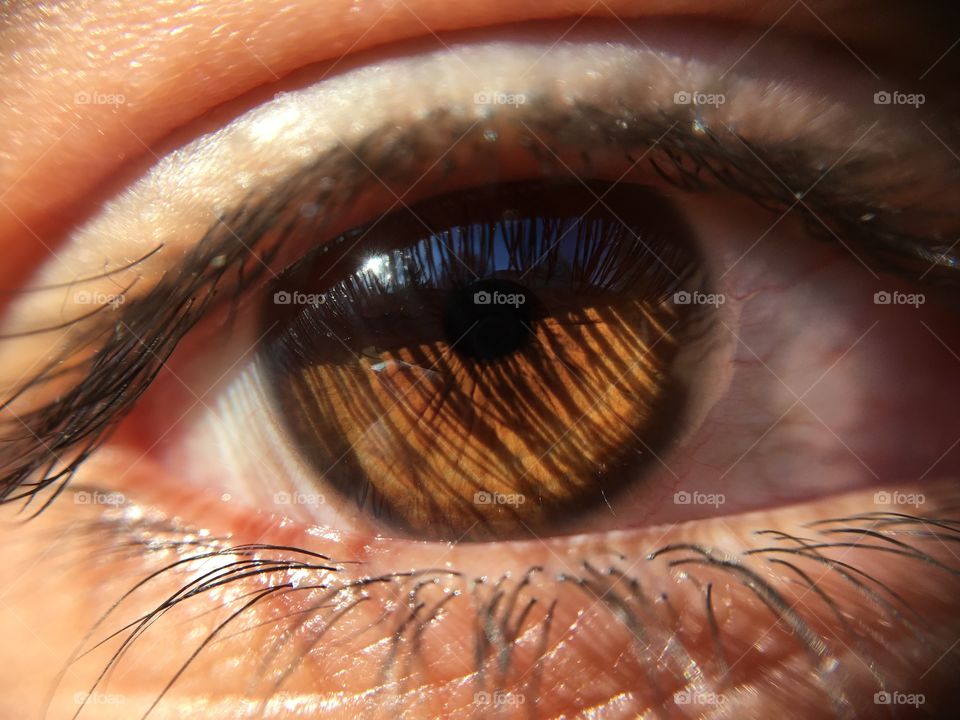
x=90, y=278
x=62, y=434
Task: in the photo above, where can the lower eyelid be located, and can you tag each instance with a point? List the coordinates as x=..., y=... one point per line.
x=585, y=612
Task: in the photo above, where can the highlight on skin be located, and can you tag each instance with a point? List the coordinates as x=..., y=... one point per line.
x=781, y=537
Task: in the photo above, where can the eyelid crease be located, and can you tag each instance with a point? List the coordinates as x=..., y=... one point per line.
x=138, y=339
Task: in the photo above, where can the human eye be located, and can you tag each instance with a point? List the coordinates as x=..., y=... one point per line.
x=587, y=366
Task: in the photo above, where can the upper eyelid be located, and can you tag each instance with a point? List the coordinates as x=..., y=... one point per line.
x=771, y=175
x=175, y=197
x=127, y=138
x=768, y=174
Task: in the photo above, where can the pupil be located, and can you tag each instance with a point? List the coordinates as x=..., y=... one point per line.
x=489, y=319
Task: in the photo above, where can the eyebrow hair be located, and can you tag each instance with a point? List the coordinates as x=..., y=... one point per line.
x=244, y=243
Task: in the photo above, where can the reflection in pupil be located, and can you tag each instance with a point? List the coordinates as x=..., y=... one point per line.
x=492, y=364
x=489, y=319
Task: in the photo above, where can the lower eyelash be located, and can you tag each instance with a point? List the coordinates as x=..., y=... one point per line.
x=508, y=609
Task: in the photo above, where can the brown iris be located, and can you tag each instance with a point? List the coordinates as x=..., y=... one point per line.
x=489, y=364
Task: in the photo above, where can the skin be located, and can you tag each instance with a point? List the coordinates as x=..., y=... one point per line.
x=173, y=61
x=149, y=53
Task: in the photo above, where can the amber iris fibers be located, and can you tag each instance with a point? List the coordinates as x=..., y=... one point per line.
x=489, y=364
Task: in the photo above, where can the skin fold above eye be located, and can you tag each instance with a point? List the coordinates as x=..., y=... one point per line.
x=168, y=210
x=139, y=593
x=172, y=61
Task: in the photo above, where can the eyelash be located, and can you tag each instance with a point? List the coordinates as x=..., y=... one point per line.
x=134, y=347
x=505, y=608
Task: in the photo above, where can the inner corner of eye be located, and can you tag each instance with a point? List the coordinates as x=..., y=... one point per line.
x=487, y=363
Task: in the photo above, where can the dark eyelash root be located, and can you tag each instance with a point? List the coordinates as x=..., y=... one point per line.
x=115, y=356
x=310, y=596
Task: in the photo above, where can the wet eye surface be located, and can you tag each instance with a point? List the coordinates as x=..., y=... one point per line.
x=485, y=363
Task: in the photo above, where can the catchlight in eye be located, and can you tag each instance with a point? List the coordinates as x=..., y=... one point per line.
x=488, y=363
